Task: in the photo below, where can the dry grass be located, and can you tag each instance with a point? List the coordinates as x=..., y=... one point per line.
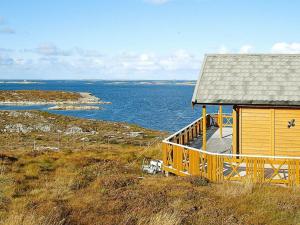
x=236, y=189
x=85, y=187
x=38, y=96
x=31, y=218
x=167, y=218
x=103, y=185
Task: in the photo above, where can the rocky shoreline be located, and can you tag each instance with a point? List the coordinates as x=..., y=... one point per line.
x=86, y=101
x=75, y=107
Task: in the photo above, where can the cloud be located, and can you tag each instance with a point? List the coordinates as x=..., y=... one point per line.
x=87, y=52
x=48, y=58
x=5, y=50
x=50, y=61
x=2, y=21
x=7, y=30
x=157, y=2
x=49, y=49
x=246, y=49
x=180, y=60
x=223, y=50
x=151, y=63
x=283, y=47
x=6, y=61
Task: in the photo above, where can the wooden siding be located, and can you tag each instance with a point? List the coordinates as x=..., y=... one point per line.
x=264, y=131
x=287, y=140
x=255, y=131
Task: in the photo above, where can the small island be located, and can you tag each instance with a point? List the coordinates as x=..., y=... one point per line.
x=61, y=100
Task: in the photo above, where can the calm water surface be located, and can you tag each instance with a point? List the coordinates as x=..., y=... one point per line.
x=162, y=106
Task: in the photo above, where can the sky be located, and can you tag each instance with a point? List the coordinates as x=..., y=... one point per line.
x=137, y=39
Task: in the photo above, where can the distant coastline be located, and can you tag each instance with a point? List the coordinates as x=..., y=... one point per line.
x=113, y=82
x=169, y=82
x=22, y=82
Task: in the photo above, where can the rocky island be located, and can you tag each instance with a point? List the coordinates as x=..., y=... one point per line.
x=61, y=100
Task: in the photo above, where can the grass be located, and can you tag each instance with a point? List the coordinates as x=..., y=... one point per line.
x=38, y=96
x=103, y=184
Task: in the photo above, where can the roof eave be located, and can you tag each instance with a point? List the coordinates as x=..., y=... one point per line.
x=248, y=103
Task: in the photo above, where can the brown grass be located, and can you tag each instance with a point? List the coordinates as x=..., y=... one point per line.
x=104, y=185
x=37, y=95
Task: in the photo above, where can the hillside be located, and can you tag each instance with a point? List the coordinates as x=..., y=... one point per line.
x=62, y=170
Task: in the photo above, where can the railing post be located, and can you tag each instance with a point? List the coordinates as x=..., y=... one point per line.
x=179, y=158
x=221, y=120
x=194, y=164
x=165, y=153
x=234, y=131
x=204, y=127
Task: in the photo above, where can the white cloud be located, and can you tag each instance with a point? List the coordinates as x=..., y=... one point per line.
x=87, y=52
x=223, y=50
x=283, y=47
x=242, y=50
x=50, y=59
x=157, y=2
x=7, y=30
x=6, y=50
x=180, y=60
x=6, y=61
x=49, y=49
x=246, y=49
x=77, y=63
x=2, y=20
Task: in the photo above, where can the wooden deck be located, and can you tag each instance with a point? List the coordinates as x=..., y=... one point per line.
x=214, y=141
x=183, y=155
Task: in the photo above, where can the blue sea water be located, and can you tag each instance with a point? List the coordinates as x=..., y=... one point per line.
x=162, y=106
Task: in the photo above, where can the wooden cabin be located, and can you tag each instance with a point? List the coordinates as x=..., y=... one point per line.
x=261, y=131
x=264, y=91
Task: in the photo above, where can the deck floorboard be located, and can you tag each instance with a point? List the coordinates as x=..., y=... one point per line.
x=214, y=142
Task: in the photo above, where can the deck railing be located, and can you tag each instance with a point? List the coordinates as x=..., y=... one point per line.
x=180, y=159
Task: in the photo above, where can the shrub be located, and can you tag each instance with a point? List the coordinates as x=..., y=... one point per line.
x=4, y=201
x=47, y=165
x=198, y=181
x=83, y=178
x=115, y=182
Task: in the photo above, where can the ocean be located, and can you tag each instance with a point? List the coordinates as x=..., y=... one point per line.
x=159, y=105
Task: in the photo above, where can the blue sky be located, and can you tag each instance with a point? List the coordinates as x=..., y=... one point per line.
x=137, y=39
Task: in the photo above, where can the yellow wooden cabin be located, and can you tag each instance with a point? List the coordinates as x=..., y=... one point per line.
x=260, y=139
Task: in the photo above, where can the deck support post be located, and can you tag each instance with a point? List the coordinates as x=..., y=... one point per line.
x=204, y=127
x=221, y=120
x=234, y=130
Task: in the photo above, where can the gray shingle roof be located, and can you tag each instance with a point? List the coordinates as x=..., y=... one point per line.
x=256, y=79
